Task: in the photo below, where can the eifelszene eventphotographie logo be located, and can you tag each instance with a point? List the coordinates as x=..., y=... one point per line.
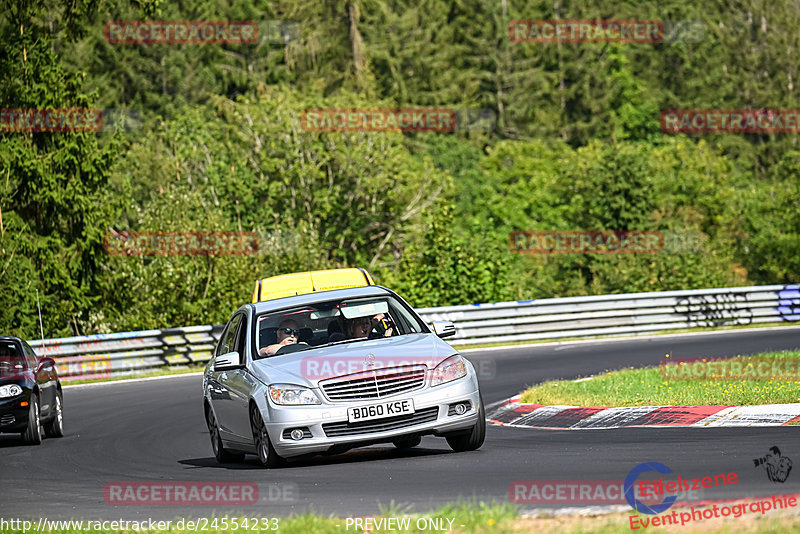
x=777, y=467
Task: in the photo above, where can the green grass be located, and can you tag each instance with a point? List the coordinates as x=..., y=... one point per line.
x=647, y=387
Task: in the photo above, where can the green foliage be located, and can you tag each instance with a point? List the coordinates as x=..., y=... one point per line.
x=317, y=200
x=447, y=269
x=577, y=146
x=771, y=245
x=53, y=195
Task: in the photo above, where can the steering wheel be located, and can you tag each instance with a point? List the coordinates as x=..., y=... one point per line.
x=287, y=349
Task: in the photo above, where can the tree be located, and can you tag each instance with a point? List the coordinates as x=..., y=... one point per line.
x=54, y=198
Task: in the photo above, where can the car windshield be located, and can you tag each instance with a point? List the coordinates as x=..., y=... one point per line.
x=331, y=322
x=11, y=360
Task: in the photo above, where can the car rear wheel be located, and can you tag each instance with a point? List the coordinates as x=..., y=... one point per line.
x=266, y=452
x=222, y=455
x=407, y=442
x=55, y=428
x=33, y=434
x=476, y=436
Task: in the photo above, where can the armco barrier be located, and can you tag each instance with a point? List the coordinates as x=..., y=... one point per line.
x=624, y=314
x=104, y=355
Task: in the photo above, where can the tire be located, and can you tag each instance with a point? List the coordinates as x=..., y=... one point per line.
x=407, y=442
x=475, y=438
x=222, y=455
x=55, y=428
x=33, y=434
x=266, y=452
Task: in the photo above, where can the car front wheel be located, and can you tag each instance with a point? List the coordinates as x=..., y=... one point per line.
x=474, y=439
x=33, y=434
x=266, y=452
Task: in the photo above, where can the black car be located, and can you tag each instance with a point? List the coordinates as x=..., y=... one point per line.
x=30, y=393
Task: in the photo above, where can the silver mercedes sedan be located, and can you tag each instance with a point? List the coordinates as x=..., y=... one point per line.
x=324, y=372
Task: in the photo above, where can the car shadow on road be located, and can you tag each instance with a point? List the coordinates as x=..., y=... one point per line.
x=8, y=441
x=353, y=456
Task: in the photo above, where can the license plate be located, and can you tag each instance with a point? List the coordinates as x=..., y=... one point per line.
x=377, y=411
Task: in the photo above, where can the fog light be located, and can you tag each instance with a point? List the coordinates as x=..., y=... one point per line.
x=461, y=409
x=296, y=434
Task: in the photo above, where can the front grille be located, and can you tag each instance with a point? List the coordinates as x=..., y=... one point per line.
x=7, y=419
x=373, y=385
x=381, y=425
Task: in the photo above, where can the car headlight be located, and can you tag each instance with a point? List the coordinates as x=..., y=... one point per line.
x=451, y=369
x=10, y=391
x=290, y=395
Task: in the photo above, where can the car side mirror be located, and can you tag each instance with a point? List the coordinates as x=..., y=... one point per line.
x=228, y=361
x=444, y=328
x=45, y=362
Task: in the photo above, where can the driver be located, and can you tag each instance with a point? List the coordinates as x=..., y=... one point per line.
x=288, y=332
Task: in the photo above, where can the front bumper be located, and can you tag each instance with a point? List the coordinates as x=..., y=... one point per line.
x=13, y=417
x=431, y=406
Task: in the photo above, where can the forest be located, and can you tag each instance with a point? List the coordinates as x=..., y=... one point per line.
x=562, y=136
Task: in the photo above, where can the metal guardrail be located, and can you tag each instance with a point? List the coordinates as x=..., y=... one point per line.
x=106, y=355
x=624, y=314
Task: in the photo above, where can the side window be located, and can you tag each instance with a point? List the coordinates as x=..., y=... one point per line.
x=241, y=336
x=228, y=340
x=404, y=318
x=30, y=356
x=28, y=350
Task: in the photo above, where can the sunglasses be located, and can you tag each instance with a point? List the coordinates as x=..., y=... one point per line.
x=289, y=331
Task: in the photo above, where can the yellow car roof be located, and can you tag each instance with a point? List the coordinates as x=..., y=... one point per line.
x=288, y=285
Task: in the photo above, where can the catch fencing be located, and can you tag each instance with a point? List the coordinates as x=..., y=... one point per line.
x=106, y=355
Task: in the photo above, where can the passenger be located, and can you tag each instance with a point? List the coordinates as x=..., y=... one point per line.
x=383, y=326
x=362, y=327
x=288, y=333
x=357, y=328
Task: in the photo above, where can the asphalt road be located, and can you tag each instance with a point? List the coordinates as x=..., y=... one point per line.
x=155, y=431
